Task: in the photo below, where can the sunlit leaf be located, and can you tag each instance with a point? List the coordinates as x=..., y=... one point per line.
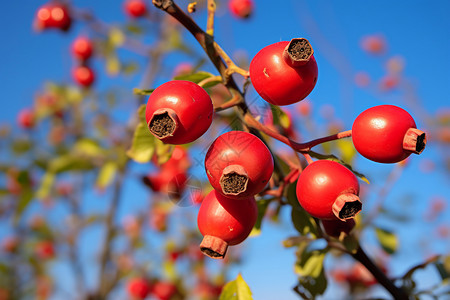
x=106, y=174
x=310, y=268
x=25, y=198
x=262, y=207
x=163, y=151
x=387, y=240
x=196, y=77
x=137, y=91
x=116, y=37
x=46, y=184
x=88, y=147
x=143, y=145
x=301, y=220
x=236, y=290
x=130, y=68
x=112, y=65
x=295, y=241
x=21, y=146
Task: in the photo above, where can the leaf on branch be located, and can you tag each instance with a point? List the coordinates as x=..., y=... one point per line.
x=112, y=65
x=106, y=175
x=25, y=198
x=302, y=221
x=163, y=151
x=46, y=184
x=116, y=37
x=236, y=290
x=312, y=274
x=137, y=91
x=262, y=207
x=296, y=241
x=336, y=159
x=387, y=239
x=143, y=145
x=195, y=77
x=21, y=146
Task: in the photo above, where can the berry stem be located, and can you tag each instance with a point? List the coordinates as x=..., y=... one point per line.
x=210, y=20
x=396, y=292
x=299, y=147
x=308, y=158
x=235, y=100
x=209, y=80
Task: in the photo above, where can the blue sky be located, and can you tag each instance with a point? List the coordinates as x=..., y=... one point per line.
x=418, y=31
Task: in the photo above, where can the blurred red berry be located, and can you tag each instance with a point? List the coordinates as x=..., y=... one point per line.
x=241, y=8
x=82, y=48
x=45, y=250
x=138, y=288
x=10, y=244
x=53, y=15
x=135, y=8
x=373, y=44
x=26, y=118
x=362, y=79
x=84, y=76
x=163, y=290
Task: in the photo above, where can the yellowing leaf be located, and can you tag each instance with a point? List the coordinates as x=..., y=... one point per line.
x=236, y=290
x=387, y=240
x=106, y=174
x=143, y=145
x=46, y=185
x=112, y=65
x=116, y=37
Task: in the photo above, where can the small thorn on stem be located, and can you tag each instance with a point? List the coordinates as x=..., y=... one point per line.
x=213, y=247
x=298, y=52
x=414, y=140
x=346, y=206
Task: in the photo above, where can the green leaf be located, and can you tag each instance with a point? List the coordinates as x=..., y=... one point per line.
x=302, y=221
x=69, y=162
x=163, y=151
x=262, y=207
x=278, y=115
x=336, y=159
x=196, y=77
x=143, y=145
x=350, y=243
x=112, y=65
x=296, y=241
x=137, y=91
x=236, y=290
x=88, y=147
x=21, y=146
x=116, y=37
x=25, y=198
x=106, y=174
x=46, y=184
x=312, y=274
x=387, y=240
x=141, y=113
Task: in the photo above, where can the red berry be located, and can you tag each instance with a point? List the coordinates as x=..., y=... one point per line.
x=53, y=15
x=138, y=288
x=179, y=112
x=224, y=222
x=373, y=44
x=26, y=118
x=387, y=134
x=168, y=181
x=336, y=227
x=45, y=250
x=82, y=48
x=163, y=290
x=135, y=8
x=285, y=72
x=328, y=190
x=238, y=164
x=241, y=8
x=179, y=159
x=84, y=76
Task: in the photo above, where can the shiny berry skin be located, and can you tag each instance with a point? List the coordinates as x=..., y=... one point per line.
x=224, y=222
x=135, y=8
x=179, y=112
x=26, y=118
x=328, y=190
x=387, y=134
x=53, y=15
x=238, y=164
x=82, y=48
x=241, y=8
x=276, y=80
x=138, y=288
x=84, y=76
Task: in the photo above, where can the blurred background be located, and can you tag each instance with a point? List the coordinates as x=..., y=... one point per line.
x=368, y=53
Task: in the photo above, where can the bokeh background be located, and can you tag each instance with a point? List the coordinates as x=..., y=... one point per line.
x=351, y=79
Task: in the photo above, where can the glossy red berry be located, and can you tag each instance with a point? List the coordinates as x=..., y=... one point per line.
x=328, y=190
x=179, y=112
x=163, y=290
x=135, y=8
x=138, y=288
x=285, y=72
x=84, y=76
x=26, y=118
x=241, y=8
x=238, y=164
x=387, y=134
x=334, y=228
x=82, y=48
x=224, y=222
x=53, y=15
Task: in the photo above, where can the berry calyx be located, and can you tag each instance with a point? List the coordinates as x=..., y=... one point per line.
x=82, y=48
x=179, y=112
x=224, y=222
x=387, y=134
x=84, y=76
x=135, y=8
x=285, y=72
x=327, y=190
x=138, y=288
x=241, y=8
x=238, y=164
x=53, y=15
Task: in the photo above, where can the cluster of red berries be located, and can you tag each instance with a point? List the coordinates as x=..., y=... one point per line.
x=139, y=288
x=82, y=49
x=53, y=15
